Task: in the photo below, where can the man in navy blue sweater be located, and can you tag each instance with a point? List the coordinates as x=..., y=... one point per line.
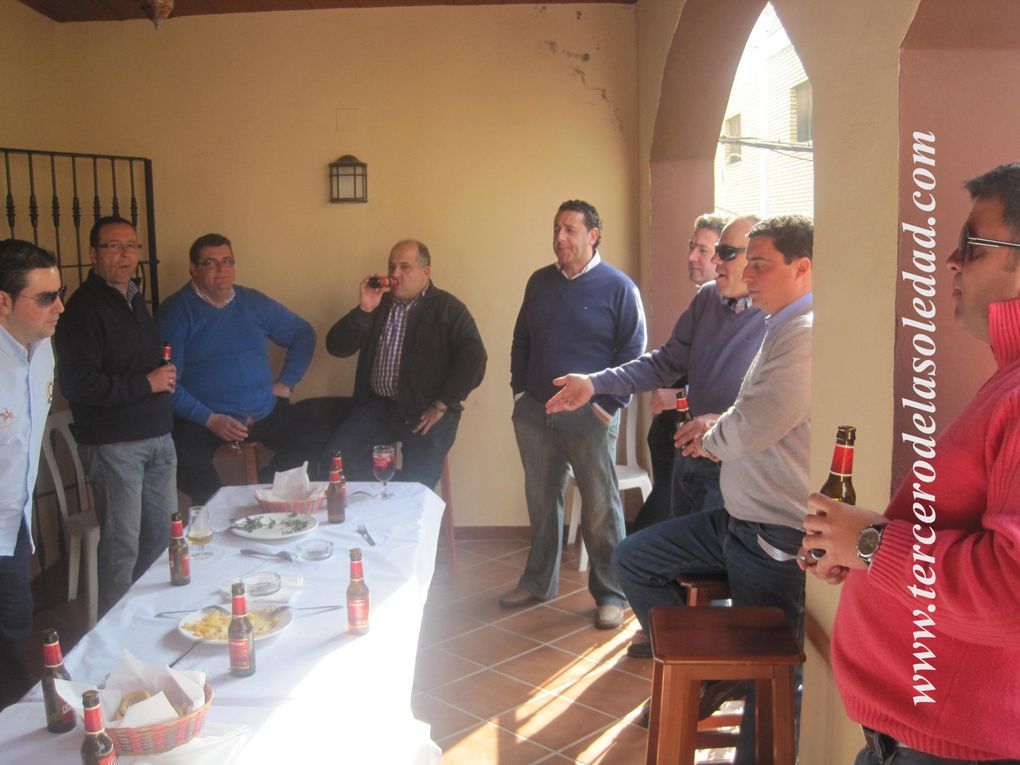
x=579, y=313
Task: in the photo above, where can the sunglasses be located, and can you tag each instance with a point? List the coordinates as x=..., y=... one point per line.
x=46, y=299
x=968, y=242
x=728, y=252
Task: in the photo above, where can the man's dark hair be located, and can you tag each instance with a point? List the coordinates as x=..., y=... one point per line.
x=792, y=235
x=17, y=258
x=106, y=220
x=208, y=240
x=712, y=222
x=591, y=215
x=1002, y=183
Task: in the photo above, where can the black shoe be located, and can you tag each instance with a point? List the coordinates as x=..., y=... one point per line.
x=640, y=650
x=715, y=693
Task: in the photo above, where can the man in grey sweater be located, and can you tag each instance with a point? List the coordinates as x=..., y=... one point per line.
x=763, y=441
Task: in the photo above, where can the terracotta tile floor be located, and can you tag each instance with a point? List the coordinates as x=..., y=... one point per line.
x=534, y=684
x=528, y=685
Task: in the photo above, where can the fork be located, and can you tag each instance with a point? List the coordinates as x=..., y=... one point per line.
x=364, y=532
x=284, y=554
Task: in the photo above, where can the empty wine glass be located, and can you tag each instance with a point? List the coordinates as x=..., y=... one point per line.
x=384, y=463
x=200, y=533
x=248, y=420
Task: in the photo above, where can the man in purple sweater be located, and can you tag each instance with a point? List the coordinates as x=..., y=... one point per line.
x=578, y=313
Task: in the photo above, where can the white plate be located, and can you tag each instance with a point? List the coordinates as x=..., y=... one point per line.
x=275, y=525
x=282, y=621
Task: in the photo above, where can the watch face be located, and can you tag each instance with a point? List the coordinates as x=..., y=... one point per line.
x=867, y=542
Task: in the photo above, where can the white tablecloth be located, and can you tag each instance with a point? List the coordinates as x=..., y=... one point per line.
x=319, y=695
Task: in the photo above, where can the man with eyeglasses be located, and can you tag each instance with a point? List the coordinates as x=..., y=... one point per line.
x=109, y=365
x=226, y=391
x=30, y=304
x=712, y=344
x=961, y=631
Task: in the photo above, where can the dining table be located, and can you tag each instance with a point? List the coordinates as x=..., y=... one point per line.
x=320, y=694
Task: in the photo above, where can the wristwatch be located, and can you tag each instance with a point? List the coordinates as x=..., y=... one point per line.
x=868, y=541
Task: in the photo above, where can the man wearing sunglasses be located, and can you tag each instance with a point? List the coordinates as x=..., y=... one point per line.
x=30, y=304
x=968, y=548
x=226, y=390
x=109, y=364
x=712, y=344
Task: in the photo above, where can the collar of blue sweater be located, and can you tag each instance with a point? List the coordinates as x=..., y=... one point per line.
x=595, y=260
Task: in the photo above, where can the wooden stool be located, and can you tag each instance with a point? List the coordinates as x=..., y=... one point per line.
x=249, y=453
x=446, y=491
x=702, y=589
x=693, y=644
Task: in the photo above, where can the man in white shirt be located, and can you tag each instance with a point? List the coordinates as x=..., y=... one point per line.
x=30, y=304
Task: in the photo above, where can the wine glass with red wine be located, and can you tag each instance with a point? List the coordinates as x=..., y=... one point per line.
x=384, y=463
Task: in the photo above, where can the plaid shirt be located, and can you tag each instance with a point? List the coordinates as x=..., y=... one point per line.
x=386, y=370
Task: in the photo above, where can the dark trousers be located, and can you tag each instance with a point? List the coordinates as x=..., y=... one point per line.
x=378, y=421
x=661, y=450
x=15, y=620
x=292, y=435
x=899, y=756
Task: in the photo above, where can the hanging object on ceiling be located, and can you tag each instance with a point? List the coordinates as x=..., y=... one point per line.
x=157, y=11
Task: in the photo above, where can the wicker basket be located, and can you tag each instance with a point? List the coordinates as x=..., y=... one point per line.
x=153, y=739
x=306, y=506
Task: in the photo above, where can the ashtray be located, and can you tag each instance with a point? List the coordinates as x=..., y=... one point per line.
x=261, y=583
x=315, y=549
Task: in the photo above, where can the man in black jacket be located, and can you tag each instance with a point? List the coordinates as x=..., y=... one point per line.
x=109, y=367
x=420, y=357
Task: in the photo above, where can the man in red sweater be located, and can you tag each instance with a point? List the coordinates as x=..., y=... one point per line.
x=926, y=643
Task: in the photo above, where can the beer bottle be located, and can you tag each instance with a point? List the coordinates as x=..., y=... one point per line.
x=240, y=634
x=167, y=354
x=97, y=749
x=840, y=485
x=180, y=555
x=381, y=282
x=60, y=716
x=683, y=412
x=357, y=596
x=338, y=460
x=336, y=494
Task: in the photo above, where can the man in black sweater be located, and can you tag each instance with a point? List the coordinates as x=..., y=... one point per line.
x=109, y=367
x=420, y=355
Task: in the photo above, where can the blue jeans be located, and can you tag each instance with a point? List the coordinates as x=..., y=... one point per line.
x=712, y=542
x=548, y=443
x=15, y=619
x=695, y=487
x=378, y=421
x=913, y=757
x=134, y=484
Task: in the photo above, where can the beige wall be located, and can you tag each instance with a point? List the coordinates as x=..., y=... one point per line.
x=475, y=123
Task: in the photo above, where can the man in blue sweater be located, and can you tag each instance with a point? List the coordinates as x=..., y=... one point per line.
x=578, y=313
x=713, y=343
x=109, y=366
x=225, y=388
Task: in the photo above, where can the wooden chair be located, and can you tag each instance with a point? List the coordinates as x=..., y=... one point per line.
x=702, y=589
x=81, y=529
x=446, y=492
x=629, y=474
x=249, y=452
x=692, y=644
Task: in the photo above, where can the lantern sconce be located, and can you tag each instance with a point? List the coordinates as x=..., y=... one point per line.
x=348, y=180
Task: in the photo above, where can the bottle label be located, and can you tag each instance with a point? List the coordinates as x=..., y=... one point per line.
x=239, y=605
x=180, y=564
x=177, y=529
x=240, y=654
x=842, y=460
x=58, y=712
x=51, y=655
x=109, y=759
x=357, y=613
x=94, y=719
x=357, y=572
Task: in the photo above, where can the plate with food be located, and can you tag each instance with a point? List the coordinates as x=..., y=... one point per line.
x=269, y=526
x=210, y=624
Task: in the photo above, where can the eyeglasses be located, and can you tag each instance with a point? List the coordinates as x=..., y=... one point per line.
x=728, y=252
x=968, y=242
x=120, y=247
x=46, y=299
x=227, y=262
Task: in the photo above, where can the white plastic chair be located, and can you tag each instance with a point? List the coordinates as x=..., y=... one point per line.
x=81, y=527
x=629, y=474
